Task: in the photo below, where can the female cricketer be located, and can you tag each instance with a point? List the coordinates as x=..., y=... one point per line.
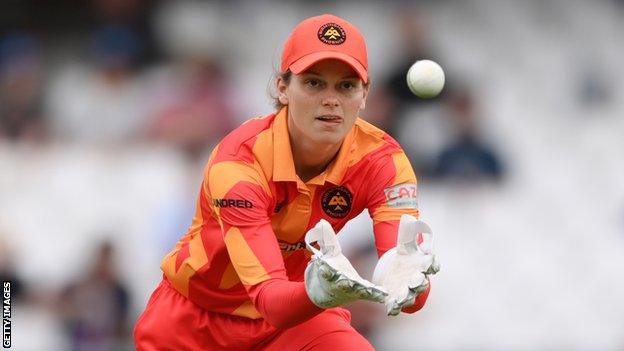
x=243, y=277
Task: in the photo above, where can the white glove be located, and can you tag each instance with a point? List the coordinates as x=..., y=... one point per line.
x=330, y=279
x=403, y=269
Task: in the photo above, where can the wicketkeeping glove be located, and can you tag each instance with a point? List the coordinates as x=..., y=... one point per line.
x=403, y=269
x=330, y=279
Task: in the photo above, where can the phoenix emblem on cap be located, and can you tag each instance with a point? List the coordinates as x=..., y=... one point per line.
x=332, y=34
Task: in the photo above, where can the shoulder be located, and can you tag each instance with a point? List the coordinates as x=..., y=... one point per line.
x=233, y=161
x=372, y=142
x=382, y=151
x=238, y=144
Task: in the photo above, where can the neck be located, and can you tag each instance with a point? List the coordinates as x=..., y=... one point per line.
x=312, y=159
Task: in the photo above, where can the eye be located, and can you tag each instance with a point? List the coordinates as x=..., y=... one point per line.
x=347, y=85
x=313, y=83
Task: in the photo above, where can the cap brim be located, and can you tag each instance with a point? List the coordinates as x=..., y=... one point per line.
x=307, y=61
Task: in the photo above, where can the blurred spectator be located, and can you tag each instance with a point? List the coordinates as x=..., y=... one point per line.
x=8, y=273
x=95, y=308
x=190, y=106
x=21, y=78
x=100, y=102
x=593, y=88
x=413, y=121
x=413, y=41
x=133, y=16
x=190, y=97
x=466, y=157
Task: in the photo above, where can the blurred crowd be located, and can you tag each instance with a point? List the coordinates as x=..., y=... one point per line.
x=123, y=72
x=119, y=75
x=101, y=77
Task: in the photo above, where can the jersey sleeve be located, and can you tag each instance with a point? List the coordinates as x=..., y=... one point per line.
x=393, y=193
x=241, y=200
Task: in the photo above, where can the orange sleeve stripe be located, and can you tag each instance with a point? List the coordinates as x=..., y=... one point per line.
x=249, y=237
x=223, y=176
x=229, y=278
x=404, y=173
x=362, y=143
x=176, y=265
x=263, y=152
x=238, y=145
x=250, y=270
x=365, y=149
x=195, y=260
x=182, y=255
x=211, y=159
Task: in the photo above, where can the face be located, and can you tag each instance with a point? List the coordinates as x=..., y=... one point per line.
x=323, y=102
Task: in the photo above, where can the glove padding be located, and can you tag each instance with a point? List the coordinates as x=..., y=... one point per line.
x=403, y=269
x=330, y=279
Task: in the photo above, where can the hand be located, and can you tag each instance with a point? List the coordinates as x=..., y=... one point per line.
x=404, y=269
x=330, y=279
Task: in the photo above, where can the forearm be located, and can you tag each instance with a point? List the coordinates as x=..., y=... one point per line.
x=283, y=303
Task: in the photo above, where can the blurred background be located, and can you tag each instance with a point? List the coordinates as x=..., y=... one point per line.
x=109, y=109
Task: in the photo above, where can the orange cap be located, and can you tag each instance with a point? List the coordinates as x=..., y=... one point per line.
x=323, y=37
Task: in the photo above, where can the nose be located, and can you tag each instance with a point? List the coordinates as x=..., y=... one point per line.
x=331, y=100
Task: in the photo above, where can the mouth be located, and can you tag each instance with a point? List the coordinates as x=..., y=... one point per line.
x=330, y=119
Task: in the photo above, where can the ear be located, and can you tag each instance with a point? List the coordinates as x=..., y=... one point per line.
x=365, y=92
x=282, y=94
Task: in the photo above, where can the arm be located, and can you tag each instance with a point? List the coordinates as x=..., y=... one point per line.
x=240, y=201
x=275, y=298
x=394, y=194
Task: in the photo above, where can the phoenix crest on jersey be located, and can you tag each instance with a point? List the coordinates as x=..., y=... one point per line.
x=336, y=202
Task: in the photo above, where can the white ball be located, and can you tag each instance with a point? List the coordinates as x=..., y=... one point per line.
x=425, y=79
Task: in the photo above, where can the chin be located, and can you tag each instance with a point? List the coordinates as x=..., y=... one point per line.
x=330, y=137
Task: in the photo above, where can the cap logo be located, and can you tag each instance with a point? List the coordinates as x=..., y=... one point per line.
x=332, y=34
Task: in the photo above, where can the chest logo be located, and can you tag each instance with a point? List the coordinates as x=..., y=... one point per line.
x=336, y=202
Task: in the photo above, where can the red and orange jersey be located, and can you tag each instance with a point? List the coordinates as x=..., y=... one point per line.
x=253, y=211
